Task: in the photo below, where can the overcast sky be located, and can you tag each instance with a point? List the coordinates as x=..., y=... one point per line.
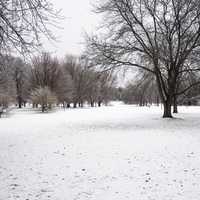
x=78, y=19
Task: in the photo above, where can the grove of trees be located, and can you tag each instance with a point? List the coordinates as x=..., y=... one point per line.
x=48, y=82
x=159, y=39
x=45, y=80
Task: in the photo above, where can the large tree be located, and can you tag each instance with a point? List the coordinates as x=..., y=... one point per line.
x=158, y=36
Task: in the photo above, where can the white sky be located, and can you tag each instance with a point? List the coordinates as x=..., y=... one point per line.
x=79, y=18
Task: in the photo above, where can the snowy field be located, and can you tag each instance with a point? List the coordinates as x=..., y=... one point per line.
x=111, y=153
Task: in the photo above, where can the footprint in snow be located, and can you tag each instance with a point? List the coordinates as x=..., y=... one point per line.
x=148, y=180
x=44, y=190
x=14, y=185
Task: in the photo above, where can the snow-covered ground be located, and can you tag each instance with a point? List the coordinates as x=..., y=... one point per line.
x=118, y=152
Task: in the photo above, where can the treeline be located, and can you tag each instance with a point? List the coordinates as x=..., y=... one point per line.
x=47, y=81
x=143, y=91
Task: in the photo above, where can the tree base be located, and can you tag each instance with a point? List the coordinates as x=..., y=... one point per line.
x=167, y=110
x=167, y=116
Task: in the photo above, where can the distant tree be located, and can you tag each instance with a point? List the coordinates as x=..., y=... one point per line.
x=7, y=85
x=64, y=89
x=92, y=87
x=107, y=82
x=78, y=72
x=43, y=96
x=142, y=90
x=88, y=84
x=48, y=72
x=188, y=80
x=117, y=93
x=20, y=75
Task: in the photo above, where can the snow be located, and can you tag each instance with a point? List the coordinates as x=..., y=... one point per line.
x=119, y=152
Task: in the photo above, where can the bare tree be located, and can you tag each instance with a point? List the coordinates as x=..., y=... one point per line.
x=23, y=22
x=88, y=84
x=44, y=97
x=48, y=72
x=154, y=35
x=7, y=85
x=78, y=71
x=64, y=88
x=142, y=90
x=106, y=81
x=92, y=87
x=20, y=74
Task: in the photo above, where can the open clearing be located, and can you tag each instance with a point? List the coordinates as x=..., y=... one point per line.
x=110, y=153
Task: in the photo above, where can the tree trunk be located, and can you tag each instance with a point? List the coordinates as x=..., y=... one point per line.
x=19, y=102
x=165, y=98
x=75, y=105
x=158, y=101
x=99, y=103
x=167, y=109
x=175, y=106
x=43, y=108
x=68, y=105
